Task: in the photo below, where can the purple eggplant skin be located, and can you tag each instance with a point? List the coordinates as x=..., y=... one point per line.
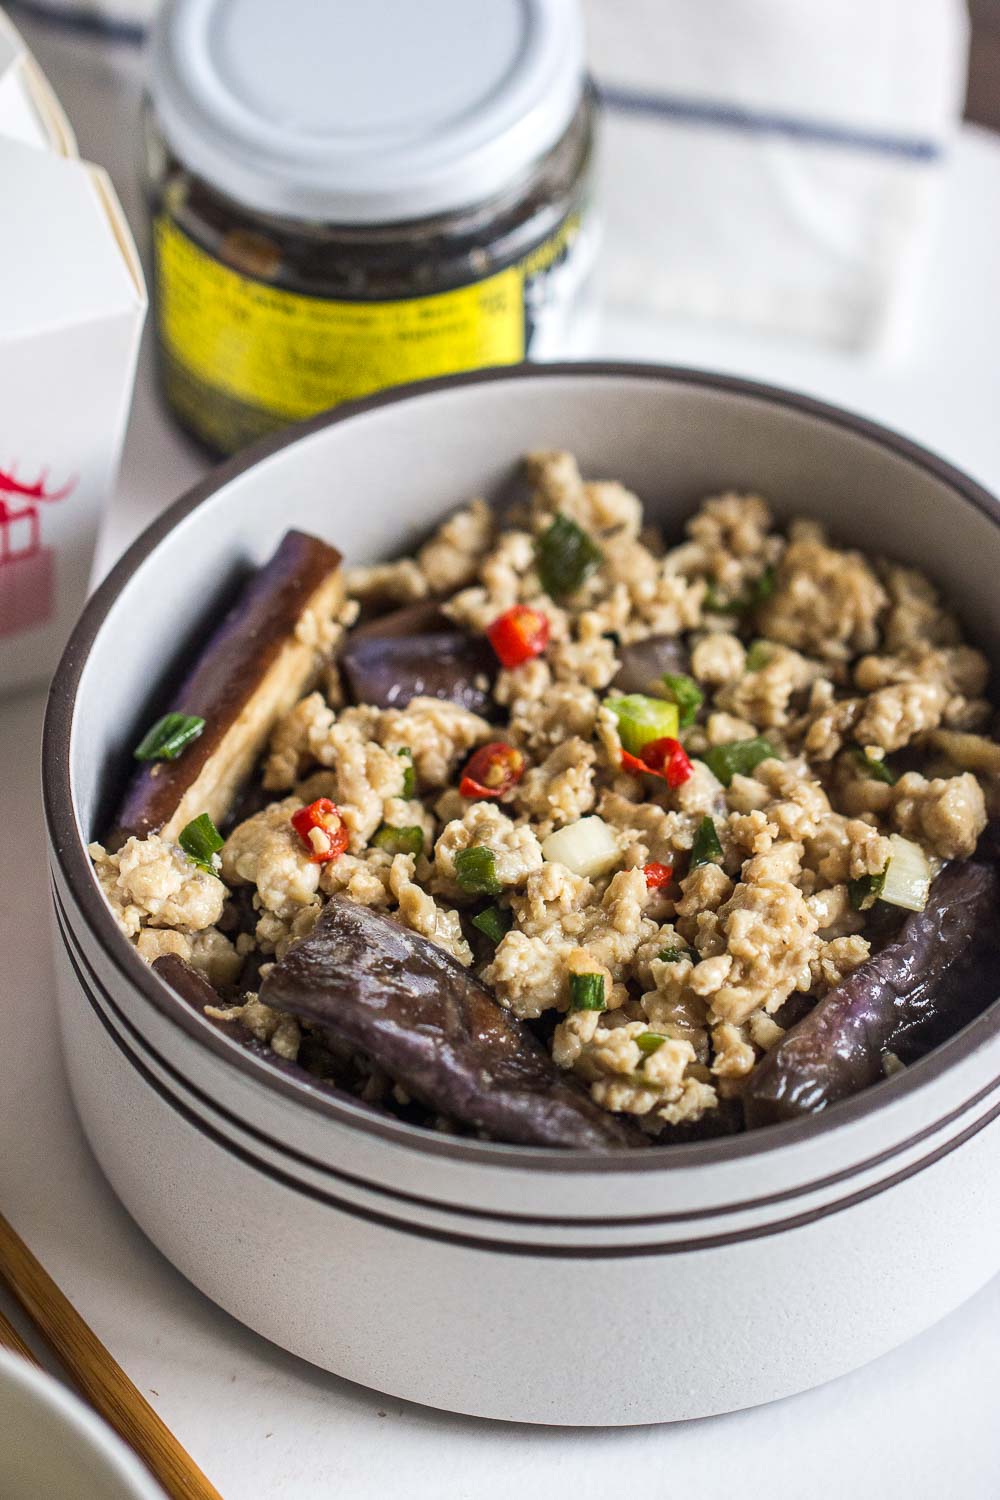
x=432, y=1027
x=252, y=670
x=941, y=971
x=390, y=670
x=196, y=992
x=425, y=618
x=643, y=664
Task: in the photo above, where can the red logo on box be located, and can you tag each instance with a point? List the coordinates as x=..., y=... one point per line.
x=27, y=572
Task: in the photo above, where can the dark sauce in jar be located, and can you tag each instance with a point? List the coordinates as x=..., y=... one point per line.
x=265, y=315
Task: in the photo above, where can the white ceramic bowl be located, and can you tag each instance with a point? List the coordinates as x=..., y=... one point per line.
x=55, y=1448
x=501, y=1281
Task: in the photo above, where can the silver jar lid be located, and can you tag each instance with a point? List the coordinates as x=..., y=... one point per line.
x=364, y=111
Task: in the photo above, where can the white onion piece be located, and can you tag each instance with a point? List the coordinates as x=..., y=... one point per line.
x=588, y=847
x=908, y=876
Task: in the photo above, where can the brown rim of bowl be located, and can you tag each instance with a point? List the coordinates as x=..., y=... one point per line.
x=69, y=849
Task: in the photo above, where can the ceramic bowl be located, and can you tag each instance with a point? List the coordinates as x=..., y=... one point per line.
x=507, y=1282
x=54, y=1447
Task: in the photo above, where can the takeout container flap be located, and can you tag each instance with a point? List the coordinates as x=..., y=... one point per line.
x=29, y=109
x=69, y=338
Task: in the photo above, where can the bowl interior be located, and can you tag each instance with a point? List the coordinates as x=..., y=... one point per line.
x=375, y=479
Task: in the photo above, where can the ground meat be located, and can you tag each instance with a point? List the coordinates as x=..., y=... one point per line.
x=718, y=658
x=561, y=789
x=439, y=735
x=825, y=602
x=423, y=914
x=266, y=852
x=387, y=584
x=766, y=930
x=945, y=815
x=515, y=848
x=152, y=883
x=851, y=668
x=451, y=558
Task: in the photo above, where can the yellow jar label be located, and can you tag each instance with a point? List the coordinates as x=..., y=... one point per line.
x=293, y=355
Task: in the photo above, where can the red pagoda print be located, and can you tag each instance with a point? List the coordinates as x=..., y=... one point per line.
x=27, y=568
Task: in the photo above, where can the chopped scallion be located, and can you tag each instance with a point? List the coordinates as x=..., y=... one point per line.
x=586, y=992
x=476, y=871
x=738, y=758
x=399, y=840
x=876, y=769
x=866, y=890
x=565, y=556
x=685, y=692
x=673, y=955
x=706, y=849
x=409, y=773
x=642, y=720
x=495, y=922
x=201, y=842
x=649, y=1042
x=761, y=588
x=759, y=655
x=168, y=737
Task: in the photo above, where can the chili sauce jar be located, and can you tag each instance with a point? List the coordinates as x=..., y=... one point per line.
x=350, y=194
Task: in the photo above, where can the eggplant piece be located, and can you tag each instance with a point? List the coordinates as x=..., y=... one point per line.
x=252, y=671
x=390, y=670
x=941, y=971
x=643, y=664
x=196, y=992
x=424, y=618
x=433, y=1028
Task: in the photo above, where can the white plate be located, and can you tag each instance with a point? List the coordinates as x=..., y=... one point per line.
x=55, y=1448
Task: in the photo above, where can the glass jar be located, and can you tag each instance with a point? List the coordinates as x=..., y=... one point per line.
x=331, y=217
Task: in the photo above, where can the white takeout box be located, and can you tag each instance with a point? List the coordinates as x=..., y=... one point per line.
x=72, y=304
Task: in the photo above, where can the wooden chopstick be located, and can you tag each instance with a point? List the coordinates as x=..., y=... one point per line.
x=97, y=1374
x=11, y=1339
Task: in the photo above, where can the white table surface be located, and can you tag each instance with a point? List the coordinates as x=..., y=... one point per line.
x=922, y=1422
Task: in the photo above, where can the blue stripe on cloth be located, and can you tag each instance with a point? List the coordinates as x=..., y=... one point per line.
x=757, y=122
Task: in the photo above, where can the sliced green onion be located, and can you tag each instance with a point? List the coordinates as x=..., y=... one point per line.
x=738, y=758
x=495, y=922
x=866, y=890
x=399, y=840
x=907, y=877
x=476, y=871
x=706, y=849
x=876, y=769
x=674, y=955
x=168, y=737
x=586, y=992
x=686, y=693
x=762, y=587
x=649, y=1042
x=409, y=774
x=565, y=557
x=642, y=720
x=717, y=603
x=759, y=655
x=201, y=841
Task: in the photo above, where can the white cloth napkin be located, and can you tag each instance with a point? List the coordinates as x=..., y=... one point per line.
x=776, y=162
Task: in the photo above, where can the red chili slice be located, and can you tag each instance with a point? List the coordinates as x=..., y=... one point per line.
x=492, y=770
x=665, y=758
x=519, y=634
x=322, y=829
x=657, y=875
